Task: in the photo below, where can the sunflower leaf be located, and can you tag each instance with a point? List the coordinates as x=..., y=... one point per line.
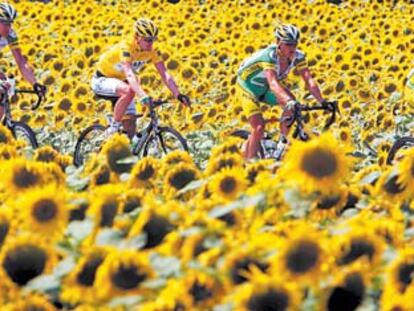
x=43, y=283
x=79, y=230
x=128, y=160
x=109, y=237
x=224, y=307
x=370, y=178
x=166, y=266
x=193, y=185
x=126, y=301
x=64, y=267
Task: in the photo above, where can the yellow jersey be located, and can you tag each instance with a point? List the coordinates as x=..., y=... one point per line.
x=110, y=62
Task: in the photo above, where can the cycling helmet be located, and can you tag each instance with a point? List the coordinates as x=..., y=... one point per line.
x=7, y=13
x=145, y=28
x=287, y=34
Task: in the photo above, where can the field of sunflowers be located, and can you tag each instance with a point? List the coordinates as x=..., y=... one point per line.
x=330, y=227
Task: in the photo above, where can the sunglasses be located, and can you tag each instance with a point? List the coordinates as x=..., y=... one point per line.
x=149, y=40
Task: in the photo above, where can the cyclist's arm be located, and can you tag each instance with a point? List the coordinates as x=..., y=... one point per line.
x=132, y=79
x=167, y=79
x=311, y=84
x=23, y=66
x=282, y=95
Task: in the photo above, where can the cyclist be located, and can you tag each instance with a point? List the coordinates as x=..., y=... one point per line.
x=260, y=80
x=8, y=37
x=116, y=78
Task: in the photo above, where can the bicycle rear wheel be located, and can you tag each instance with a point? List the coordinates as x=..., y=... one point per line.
x=23, y=132
x=245, y=135
x=399, y=144
x=167, y=140
x=90, y=141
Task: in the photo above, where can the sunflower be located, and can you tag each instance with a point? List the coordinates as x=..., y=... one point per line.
x=253, y=170
x=101, y=175
x=319, y=165
x=132, y=199
x=358, y=244
x=78, y=286
x=105, y=204
x=301, y=255
x=45, y=154
x=21, y=175
x=179, y=177
x=7, y=225
x=215, y=164
x=25, y=257
x=7, y=152
x=154, y=222
x=6, y=136
x=228, y=183
x=122, y=273
x=348, y=289
x=389, y=188
x=230, y=146
x=400, y=272
x=144, y=173
x=329, y=206
x=116, y=149
x=44, y=211
x=406, y=169
x=177, y=156
x=265, y=293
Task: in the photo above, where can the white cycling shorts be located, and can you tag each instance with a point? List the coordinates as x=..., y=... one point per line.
x=107, y=87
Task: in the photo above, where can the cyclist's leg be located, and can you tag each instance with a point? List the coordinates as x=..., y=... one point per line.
x=112, y=87
x=251, y=108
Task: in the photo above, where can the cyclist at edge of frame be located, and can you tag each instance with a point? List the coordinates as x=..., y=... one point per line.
x=116, y=77
x=9, y=38
x=260, y=80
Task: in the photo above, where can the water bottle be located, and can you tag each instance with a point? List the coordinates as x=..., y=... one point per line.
x=12, y=86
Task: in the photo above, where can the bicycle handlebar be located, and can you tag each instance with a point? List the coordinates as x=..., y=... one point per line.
x=39, y=98
x=332, y=107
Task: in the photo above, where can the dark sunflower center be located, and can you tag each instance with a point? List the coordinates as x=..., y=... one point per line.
x=46, y=156
x=108, y=213
x=238, y=271
x=392, y=186
x=132, y=204
x=156, y=229
x=3, y=138
x=116, y=154
x=4, y=229
x=302, y=257
x=251, y=175
x=359, y=248
x=24, y=178
x=272, y=300
x=44, y=210
x=181, y=179
x=405, y=274
x=347, y=296
x=86, y=276
x=199, y=248
x=127, y=277
x=320, y=163
x=79, y=213
x=329, y=202
x=24, y=263
x=146, y=173
x=228, y=185
x=228, y=218
x=103, y=176
x=200, y=292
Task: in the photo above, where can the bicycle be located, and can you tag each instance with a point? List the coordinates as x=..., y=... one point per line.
x=20, y=130
x=269, y=149
x=153, y=140
x=401, y=143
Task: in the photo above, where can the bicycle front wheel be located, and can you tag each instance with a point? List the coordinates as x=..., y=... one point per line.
x=23, y=132
x=90, y=141
x=165, y=141
x=400, y=144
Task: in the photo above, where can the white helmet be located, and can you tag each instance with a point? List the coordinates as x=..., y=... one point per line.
x=7, y=13
x=287, y=34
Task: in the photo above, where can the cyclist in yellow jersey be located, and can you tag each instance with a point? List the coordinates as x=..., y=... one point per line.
x=116, y=78
x=8, y=37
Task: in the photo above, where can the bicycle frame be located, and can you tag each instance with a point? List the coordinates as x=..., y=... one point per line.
x=151, y=127
x=7, y=118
